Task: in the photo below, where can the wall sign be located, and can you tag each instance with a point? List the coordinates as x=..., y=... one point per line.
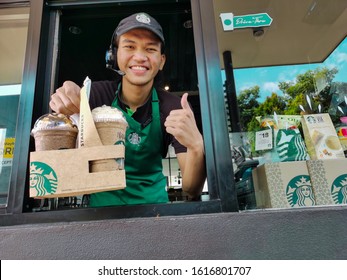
x=231, y=22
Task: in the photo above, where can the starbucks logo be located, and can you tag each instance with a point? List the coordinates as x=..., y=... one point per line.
x=143, y=18
x=134, y=138
x=299, y=192
x=311, y=119
x=290, y=146
x=42, y=178
x=339, y=189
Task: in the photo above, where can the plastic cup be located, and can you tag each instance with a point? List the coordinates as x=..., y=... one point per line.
x=54, y=132
x=111, y=126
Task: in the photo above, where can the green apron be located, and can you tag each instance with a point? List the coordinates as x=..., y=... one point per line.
x=145, y=182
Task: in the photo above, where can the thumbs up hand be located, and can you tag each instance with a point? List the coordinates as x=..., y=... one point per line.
x=181, y=124
x=184, y=102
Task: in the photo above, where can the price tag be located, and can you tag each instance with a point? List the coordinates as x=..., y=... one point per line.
x=263, y=140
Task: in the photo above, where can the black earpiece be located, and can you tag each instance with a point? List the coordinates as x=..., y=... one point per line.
x=111, y=57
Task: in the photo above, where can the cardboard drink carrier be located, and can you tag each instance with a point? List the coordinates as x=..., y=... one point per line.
x=67, y=172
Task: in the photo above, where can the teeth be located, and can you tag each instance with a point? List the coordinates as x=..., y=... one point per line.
x=138, y=68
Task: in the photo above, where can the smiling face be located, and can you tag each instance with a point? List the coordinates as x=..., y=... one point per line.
x=139, y=57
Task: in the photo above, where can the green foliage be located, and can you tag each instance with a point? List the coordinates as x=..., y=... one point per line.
x=310, y=88
x=247, y=101
x=314, y=85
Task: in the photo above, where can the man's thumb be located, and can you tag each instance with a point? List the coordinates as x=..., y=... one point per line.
x=184, y=101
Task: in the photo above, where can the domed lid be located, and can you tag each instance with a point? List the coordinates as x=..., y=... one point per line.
x=108, y=114
x=54, y=121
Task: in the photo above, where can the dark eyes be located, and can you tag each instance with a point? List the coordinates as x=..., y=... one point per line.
x=131, y=47
x=152, y=49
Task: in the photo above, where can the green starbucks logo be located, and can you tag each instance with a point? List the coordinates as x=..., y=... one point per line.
x=339, y=189
x=121, y=138
x=311, y=119
x=290, y=146
x=42, y=178
x=299, y=192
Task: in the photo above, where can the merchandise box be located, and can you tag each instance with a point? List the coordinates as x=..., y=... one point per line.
x=68, y=172
x=321, y=138
x=283, y=185
x=329, y=181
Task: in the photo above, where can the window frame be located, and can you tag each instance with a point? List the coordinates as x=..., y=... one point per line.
x=37, y=78
x=17, y=181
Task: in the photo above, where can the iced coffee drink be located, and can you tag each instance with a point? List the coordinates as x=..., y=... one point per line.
x=54, y=132
x=111, y=126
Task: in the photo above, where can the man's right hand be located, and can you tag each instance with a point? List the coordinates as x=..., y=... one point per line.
x=66, y=99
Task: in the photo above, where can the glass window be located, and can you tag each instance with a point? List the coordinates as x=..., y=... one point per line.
x=82, y=37
x=288, y=71
x=13, y=34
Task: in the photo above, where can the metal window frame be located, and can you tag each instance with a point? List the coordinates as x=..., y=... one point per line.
x=25, y=108
x=34, y=102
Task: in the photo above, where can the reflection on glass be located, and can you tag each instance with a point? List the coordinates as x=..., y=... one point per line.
x=293, y=69
x=292, y=91
x=13, y=34
x=8, y=114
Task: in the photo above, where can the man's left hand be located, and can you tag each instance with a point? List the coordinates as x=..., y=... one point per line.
x=181, y=124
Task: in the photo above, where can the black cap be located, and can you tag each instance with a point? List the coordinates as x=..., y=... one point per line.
x=140, y=20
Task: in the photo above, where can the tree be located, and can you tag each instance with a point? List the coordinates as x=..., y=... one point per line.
x=247, y=101
x=272, y=104
x=309, y=91
x=312, y=89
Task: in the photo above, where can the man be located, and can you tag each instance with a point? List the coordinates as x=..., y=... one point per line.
x=155, y=117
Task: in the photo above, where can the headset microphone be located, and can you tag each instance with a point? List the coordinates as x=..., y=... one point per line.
x=110, y=58
x=120, y=72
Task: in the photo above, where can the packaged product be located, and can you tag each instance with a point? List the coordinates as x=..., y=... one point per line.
x=321, y=138
x=288, y=144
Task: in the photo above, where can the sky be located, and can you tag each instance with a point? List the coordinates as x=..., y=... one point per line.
x=268, y=78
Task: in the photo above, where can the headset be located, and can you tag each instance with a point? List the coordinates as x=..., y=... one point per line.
x=111, y=57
